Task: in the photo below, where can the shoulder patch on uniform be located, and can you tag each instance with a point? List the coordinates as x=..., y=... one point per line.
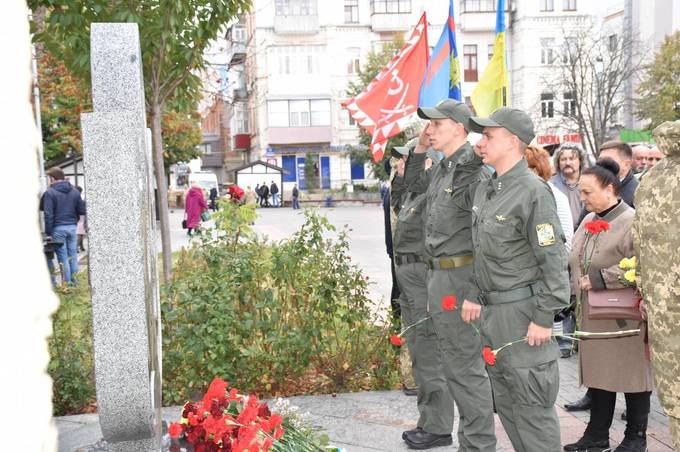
x=545, y=234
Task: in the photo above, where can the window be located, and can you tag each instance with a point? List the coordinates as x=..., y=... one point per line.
x=547, y=107
x=289, y=60
x=474, y=6
x=239, y=34
x=390, y=6
x=547, y=5
x=470, y=62
x=299, y=113
x=569, y=5
x=489, y=51
x=278, y=113
x=547, y=45
x=569, y=104
x=205, y=148
x=569, y=50
x=353, y=60
x=613, y=42
x=295, y=7
x=351, y=11
x=240, y=118
x=320, y=112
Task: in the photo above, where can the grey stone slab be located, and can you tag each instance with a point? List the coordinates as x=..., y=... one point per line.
x=117, y=80
x=121, y=232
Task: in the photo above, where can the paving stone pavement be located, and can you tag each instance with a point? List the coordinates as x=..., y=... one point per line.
x=374, y=421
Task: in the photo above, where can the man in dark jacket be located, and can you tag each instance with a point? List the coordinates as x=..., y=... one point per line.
x=264, y=194
x=274, y=190
x=63, y=206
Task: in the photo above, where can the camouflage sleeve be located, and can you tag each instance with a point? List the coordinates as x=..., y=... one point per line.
x=547, y=242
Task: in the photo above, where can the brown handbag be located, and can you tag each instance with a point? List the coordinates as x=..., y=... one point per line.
x=614, y=304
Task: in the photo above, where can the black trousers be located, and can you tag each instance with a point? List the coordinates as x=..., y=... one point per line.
x=602, y=412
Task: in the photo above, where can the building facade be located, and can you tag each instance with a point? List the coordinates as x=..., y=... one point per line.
x=290, y=62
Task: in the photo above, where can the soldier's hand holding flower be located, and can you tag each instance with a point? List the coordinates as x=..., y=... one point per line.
x=584, y=281
x=538, y=335
x=470, y=311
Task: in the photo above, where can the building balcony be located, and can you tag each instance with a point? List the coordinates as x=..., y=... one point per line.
x=480, y=21
x=390, y=22
x=236, y=53
x=299, y=135
x=297, y=25
x=241, y=142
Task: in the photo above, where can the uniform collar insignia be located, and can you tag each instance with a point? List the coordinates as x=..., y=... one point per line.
x=448, y=190
x=500, y=218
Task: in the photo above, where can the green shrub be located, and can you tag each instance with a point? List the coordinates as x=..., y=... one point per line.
x=71, y=363
x=272, y=318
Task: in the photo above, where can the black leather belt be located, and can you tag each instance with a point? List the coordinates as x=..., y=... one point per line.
x=508, y=296
x=401, y=259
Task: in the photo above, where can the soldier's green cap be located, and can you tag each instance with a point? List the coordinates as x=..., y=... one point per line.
x=515, y=121
x=433, y=155
x=399, y=151
x=448, y=108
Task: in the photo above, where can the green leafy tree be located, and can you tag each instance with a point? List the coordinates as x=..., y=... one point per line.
x=182, y=135
x=174, y=35
x=375, y=63
x=659, y=91
x=62, y=98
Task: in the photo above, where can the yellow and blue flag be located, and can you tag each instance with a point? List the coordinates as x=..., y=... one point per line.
x=442, y=77
x=491, y=90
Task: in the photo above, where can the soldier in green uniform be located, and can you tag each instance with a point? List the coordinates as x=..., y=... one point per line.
x=448, y=245
x=655, y=232
x=520, y=267
x=411, y=269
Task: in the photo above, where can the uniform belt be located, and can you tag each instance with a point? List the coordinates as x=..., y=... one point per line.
x=508, y=296
x=448, y=263
x=401, y=259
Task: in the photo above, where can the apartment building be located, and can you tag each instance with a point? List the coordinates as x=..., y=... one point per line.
x=290, y=62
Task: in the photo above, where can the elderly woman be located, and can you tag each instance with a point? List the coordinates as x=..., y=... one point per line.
x=608, y=366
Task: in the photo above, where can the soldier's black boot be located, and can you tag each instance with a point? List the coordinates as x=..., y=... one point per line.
x=589, y=443
x=405, y=434
x=424, y=440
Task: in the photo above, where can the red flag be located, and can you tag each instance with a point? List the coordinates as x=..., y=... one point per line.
x=387, y=104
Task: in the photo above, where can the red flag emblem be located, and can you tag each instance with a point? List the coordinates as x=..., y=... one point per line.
x=388, y=103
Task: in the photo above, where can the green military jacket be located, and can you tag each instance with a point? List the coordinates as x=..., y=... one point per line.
x=518, y=241
x=449, y=202
x=409, y=235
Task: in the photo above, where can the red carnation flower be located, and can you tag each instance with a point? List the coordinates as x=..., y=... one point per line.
x=263, y=410
x=175, y=430
x=279, y=433
x=217, y=389
x=596, y=226
x=489, y=356
x=396, y=340
x=449, y=302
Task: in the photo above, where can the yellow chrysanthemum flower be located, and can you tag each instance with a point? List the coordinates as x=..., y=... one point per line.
x=629, y=276
x=628, y=263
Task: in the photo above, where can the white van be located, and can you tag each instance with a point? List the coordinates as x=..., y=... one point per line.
x=205, y=179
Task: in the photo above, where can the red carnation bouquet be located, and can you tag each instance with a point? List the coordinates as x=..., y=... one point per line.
x=227, y=420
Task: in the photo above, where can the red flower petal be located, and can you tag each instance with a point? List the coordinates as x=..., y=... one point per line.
x=175, y=430
x=449, y=302
x=489, y=356
x=396, y=340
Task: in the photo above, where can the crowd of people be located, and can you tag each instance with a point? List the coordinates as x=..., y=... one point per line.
x=501, y=244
